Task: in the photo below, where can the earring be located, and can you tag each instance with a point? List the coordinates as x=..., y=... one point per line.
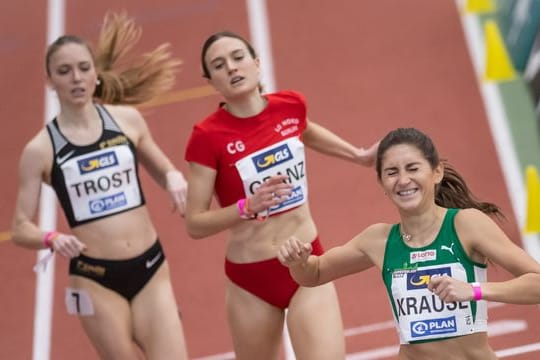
x=98, y=82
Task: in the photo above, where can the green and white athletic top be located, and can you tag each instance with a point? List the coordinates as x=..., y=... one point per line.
x=419, y=314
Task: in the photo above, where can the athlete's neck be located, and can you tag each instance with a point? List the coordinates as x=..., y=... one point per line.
x=78, y=117
x=419, y=228
x=247, y=106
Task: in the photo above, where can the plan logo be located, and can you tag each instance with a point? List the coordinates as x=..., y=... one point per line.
x=433, y=327
x=108, y=203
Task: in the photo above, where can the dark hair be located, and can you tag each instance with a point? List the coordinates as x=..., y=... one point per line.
x=135, y=81
x=215, y=37
x=452, y=192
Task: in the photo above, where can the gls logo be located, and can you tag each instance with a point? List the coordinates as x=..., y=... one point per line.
x=420, y=279
x=272, y=157
x=234, y=147
x=94, y=163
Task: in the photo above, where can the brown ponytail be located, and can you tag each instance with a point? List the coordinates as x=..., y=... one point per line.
x=453, y=192
x=135, y=81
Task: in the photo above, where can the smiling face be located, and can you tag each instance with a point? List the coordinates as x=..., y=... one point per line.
x=232, y=70
x=72, y=73
x=407, y=177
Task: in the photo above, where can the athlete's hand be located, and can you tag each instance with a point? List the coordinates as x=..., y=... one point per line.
x=67, y=245
x=177, y=188
x=271, y=193
x=367, y=157
x=294, y=252
x=449, y=289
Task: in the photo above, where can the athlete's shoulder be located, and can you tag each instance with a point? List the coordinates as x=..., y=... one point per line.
x=378, y=230
x=38, y=151
x=472, y=220
x=372, y=240
x=40, y=142
x=123, y=112
x=211, y=121
x=288, y=96
x=129, y=119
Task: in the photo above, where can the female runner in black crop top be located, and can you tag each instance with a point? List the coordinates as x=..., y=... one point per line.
x=89, y=154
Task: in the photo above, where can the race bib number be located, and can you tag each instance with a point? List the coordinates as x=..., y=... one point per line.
x=78, y=302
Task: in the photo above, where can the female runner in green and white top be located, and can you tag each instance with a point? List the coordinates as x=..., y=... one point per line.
x=434, y=261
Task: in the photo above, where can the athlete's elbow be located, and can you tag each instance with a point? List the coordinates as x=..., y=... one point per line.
x=16, y=233
x=18, y=238
x=194, y=231
x=196, y=235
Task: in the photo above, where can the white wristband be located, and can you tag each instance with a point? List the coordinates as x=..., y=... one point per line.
x=175, y=180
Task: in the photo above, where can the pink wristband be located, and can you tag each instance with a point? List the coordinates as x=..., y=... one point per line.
x=243, y=211
x=477, y=291
x=241, y=204
x=49, y=237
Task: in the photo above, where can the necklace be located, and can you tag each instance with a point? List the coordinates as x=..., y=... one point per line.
x=407, y=237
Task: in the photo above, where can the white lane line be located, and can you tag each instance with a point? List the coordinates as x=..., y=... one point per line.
x=41, y=344
x=260, y=37
x=379, y=353
x=518, y=350
x=224, y=356
x=369, y=328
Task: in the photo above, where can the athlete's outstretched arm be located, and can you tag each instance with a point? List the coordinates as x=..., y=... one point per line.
x=481, y=236
x=326, y=142
x=151, y=156
x=352, y=257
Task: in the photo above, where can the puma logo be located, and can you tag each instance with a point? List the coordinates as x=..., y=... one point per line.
x=61, y=159
x=150, y=263
x=444, y=247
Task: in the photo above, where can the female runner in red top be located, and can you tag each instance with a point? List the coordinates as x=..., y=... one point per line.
x=250, y=153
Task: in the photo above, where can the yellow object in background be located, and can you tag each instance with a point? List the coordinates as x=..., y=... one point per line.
x=498, y=63
x=479, y=6
x=532, y=222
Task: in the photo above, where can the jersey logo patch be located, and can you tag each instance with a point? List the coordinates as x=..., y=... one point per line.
x=272, y=157
x=419, y=256
x=420, y=278
x=449, y=249
x=433, y=326
x=108, y=203
x=61, y=159
x=99, y=162
x=150, y=263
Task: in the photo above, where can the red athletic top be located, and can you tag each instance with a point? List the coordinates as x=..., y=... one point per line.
x=222, y=141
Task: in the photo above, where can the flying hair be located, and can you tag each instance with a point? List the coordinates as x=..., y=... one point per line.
x=125, y=80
